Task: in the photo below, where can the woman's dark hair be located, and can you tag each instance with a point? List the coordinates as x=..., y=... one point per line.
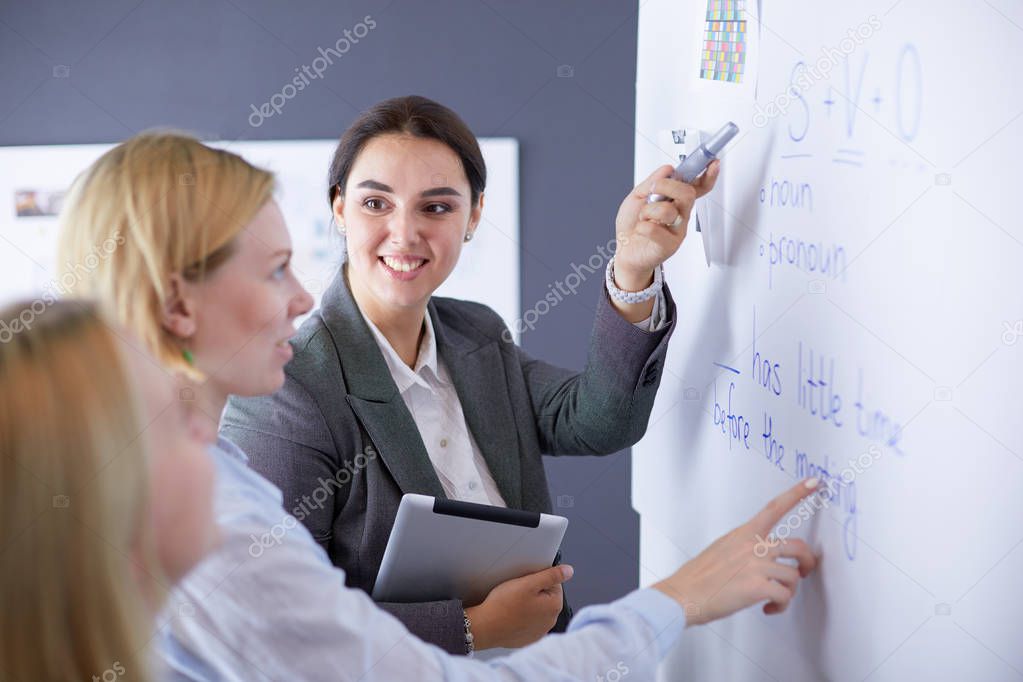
x=415, y=116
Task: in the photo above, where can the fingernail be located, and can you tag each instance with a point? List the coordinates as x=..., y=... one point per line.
x=567, y=571
x=812, y=483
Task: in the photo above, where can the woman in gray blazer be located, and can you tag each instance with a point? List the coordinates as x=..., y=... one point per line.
x=393, y=390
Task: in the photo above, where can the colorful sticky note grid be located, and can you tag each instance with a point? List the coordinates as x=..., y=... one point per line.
x=724, y=42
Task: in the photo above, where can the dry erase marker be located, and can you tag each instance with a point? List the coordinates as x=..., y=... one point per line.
x=694, y=164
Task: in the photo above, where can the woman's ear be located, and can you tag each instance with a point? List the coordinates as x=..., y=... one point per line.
x=475, y=215
x=179, y=310
x=339, y=212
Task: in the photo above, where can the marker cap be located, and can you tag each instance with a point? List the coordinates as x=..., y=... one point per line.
x=715, y=144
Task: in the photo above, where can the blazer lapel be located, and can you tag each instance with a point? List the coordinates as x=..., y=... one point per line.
x=477, y=372
x=373, y=396
x=394, y=432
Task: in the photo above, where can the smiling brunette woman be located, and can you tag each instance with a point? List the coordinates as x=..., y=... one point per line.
x=433, y=385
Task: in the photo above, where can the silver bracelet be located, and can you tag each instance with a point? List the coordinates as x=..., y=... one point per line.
x=632, y=296
x=469, y=639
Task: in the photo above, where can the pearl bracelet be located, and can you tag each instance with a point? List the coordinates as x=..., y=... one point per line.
x=470, y=644
x=632, y=296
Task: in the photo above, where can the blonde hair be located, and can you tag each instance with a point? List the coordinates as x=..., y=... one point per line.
x=158, y=204
x=73, y=502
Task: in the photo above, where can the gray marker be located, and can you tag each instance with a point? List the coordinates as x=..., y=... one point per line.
x=694, y=164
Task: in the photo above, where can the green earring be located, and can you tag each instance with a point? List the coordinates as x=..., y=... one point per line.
x=187, y=355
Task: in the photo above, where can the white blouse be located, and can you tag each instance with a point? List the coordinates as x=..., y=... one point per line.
x=433, y=402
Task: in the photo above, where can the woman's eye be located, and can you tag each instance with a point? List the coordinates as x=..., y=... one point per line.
x=373, y=204
x=438, y=208
x=281, y=271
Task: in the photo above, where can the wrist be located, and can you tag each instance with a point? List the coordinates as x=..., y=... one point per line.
x=637, y=300
x=480, y=627
x=631, y=280
x=692, y=611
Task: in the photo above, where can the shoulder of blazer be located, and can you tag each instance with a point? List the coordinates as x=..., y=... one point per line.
x=472, y=320
x=316, y=356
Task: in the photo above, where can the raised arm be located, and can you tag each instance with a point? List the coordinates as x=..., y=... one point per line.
x=606, y=407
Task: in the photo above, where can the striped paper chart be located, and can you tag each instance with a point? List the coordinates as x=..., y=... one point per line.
x=724, y=41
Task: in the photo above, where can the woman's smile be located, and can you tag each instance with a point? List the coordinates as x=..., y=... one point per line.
x=403, y=268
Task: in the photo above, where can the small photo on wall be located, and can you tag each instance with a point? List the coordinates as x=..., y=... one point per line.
x=36, y=202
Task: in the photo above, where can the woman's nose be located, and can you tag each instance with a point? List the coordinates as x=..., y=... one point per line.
x=302, y=302
x=402, y=228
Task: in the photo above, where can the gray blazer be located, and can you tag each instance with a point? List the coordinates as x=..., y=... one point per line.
x=343, y=448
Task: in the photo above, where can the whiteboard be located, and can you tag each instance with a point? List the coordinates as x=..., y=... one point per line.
x=864, y=303
x=33, y=180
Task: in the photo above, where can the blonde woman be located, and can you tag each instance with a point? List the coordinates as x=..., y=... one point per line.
x=89, y=544
x=203, y=276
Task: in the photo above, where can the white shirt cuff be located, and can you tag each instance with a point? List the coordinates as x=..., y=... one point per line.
x=656, y=322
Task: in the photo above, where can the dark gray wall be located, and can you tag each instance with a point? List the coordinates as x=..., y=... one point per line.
x=77, y=72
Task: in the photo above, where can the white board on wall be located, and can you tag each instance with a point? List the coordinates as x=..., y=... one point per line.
x=33, y=179
x=864, y=305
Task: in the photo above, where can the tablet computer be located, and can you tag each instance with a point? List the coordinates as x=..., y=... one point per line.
x=445, y=549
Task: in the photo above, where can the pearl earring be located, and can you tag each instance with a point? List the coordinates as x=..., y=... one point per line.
x=468, y=236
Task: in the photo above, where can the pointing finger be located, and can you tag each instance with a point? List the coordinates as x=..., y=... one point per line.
x=770, y=515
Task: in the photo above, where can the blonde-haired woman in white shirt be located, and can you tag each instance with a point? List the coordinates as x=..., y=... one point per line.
x=105, y=495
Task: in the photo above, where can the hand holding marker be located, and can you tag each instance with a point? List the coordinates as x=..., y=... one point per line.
x=694, y=164
x=648, y=230
x=691, y=167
